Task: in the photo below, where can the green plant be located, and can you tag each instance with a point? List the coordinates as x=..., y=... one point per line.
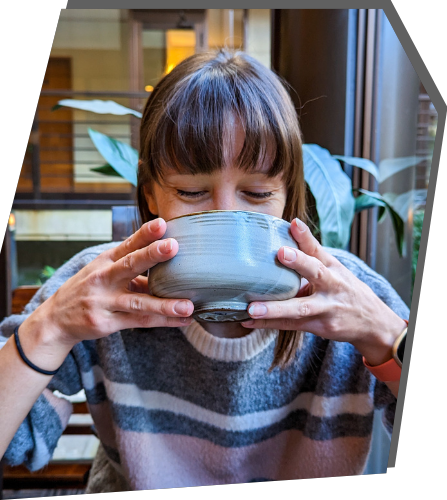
x=46, y=274
x=30, y=276
x=335, y=201
x=418, y=220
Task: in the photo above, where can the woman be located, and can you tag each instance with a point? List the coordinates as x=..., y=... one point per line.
x=178, y=403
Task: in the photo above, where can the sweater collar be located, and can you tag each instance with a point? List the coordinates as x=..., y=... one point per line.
x=221, y=349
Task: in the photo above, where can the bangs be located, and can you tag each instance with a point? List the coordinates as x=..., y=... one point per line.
x=198, y=121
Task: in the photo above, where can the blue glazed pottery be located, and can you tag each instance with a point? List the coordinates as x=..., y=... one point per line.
x=226, y=260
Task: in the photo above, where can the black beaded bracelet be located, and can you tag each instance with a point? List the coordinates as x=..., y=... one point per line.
x=27, y=361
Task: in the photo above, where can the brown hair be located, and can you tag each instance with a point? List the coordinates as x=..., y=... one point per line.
x=184, y=127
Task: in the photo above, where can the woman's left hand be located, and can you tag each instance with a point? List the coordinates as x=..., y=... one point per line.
x=332, y=303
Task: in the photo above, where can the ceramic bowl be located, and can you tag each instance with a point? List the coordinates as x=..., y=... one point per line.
x=226, y=260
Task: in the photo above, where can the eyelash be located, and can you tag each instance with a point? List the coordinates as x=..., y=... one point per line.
x=196, y=194
x=259, y=195
x=189, y=194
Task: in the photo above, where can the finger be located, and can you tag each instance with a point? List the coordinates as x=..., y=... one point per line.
x=312, y=325
x=148, y=233
x=124, y=321
x=139, y=285
x=310, y=314
x=307, y=243
x=272, y=324
x=311, y=268
x=306, y=288
x=296, y=308
x=143, y=304
x=139, y=261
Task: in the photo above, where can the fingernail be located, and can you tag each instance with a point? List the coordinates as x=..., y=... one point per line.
x=166, y=246
x=257, y=310
x=300, y=224
x=248, y=323
x=182, y=307
x=185, y=321
x=289, y=254
x=155, y=225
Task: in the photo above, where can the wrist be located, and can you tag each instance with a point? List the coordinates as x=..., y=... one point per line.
x=42, y=343
x=391, y=370
x=377, y=347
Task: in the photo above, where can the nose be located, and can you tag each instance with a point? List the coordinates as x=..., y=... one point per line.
x=225, y=199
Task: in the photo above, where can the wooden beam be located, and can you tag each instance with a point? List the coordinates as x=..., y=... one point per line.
x=53, y=476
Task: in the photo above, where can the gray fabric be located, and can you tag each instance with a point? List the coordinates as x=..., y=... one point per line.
x=42, y=423
x=319, y=429
x=163, y=360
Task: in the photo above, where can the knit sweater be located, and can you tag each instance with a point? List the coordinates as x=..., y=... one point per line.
x=177, y=407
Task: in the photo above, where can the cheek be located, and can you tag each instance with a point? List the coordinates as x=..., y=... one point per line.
x=281, y=201
x=151, y=202
x=277, y=208
x=156, y=200
x=170, y=207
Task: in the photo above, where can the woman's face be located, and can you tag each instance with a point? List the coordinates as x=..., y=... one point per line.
x=227, y=189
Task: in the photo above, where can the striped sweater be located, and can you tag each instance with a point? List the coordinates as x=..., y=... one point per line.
x=179, y=407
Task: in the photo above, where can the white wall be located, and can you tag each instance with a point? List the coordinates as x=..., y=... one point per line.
x=258, y=35
x=88, y=29
x=63, y=225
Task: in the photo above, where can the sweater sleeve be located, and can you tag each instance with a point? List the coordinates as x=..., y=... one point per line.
x=36, y=438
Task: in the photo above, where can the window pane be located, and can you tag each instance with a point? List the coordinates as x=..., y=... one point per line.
x=405, y=132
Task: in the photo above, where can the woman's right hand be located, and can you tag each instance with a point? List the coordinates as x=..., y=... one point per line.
x=109, y=294
x=105, y=296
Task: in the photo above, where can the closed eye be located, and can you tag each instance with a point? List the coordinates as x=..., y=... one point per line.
x=259, y=196
x=190, y=194
x=197, y=194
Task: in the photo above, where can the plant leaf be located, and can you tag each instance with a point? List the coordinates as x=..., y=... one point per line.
x=411, y=200
x=48, y=271
x=332, y=190
x=98, y=106
x=122, y=157
x=106, y=170
x=399, y=226
x=362, y=163
x=391, y=166
x=363, y=202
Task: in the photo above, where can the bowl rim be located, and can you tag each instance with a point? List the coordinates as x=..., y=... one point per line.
x=228, y=211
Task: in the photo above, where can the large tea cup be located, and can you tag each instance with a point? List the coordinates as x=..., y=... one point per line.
x=226, y=260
